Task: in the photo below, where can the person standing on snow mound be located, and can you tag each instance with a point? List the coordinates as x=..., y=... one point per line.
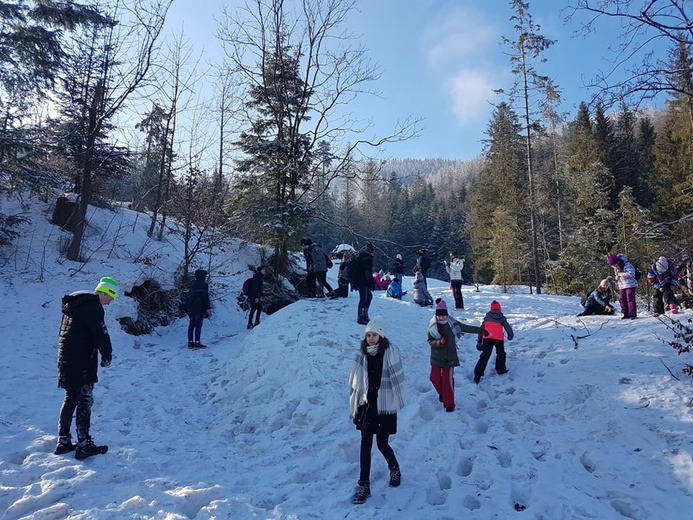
x=377, y=393
x=317, y=264
x=442, y=332
x=491, y=335
x=255, y=296
x=198, y=308
x=627, y=284
x=83, y=334
x=662, y=280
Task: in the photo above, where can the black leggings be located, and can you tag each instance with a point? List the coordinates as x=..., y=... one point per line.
x=384, y=447
x=82, y=399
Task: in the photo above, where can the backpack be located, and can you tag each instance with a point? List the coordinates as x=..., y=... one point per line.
x=638, y=274
x=246, y=286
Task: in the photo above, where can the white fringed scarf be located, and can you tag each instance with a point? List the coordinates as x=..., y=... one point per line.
x=391, y=395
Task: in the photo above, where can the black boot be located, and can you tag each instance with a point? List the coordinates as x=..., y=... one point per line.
x=395, y=477
x=363, y=492
x=87, y=448
x=64, y=445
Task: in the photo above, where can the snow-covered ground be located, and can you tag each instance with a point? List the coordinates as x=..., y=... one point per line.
x=588, y=423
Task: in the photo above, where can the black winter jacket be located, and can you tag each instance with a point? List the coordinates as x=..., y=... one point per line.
x=198, y=298
x=82, y=333
x=256, y=286
x=364, y=271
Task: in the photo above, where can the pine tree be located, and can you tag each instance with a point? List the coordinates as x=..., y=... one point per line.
x=501, y=184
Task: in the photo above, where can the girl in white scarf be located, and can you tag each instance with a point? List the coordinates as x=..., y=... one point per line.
x=376, y=380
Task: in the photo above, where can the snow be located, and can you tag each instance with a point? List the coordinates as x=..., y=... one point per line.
x=588, y=423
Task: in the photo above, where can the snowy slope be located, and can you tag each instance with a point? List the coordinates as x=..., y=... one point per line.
x=588, y=423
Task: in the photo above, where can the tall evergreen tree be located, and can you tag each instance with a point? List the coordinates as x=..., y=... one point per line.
x=501, y=184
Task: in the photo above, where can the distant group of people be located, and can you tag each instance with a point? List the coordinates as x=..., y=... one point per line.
x=664, y=276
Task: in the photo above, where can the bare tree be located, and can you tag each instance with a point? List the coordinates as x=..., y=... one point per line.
x=127, y=48
x=638, y=68
x=300, y=75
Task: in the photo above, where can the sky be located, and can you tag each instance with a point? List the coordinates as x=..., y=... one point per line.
x=588, y=424
x=440, y=61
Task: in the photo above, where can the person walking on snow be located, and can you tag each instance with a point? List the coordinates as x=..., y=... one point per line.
x=442, y=331
x=627, y=284
x=377, y=393
x=255, y=297
x=362, y=270
x=454, y=269
x=662, y=280
x=491, y=335
x=198, y=307
x=83, y=337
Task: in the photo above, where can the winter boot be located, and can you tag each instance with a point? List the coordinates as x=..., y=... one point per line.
x=257, y=322
x=362, y=319
x=363, y=492
x=199, y=345
x=87, y=448
x=395, y=477
x=250, y=325
x=674, y=308
x=191, y=344
x=64, y=445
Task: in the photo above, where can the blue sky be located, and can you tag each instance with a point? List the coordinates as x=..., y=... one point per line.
x=440, y=61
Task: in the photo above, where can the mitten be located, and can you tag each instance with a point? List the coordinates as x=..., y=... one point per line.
x=105, y=362
x=479, y=345
x=444, y=340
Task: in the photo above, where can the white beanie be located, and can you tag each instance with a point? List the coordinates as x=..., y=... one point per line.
x=376, y=325
x=662, y=264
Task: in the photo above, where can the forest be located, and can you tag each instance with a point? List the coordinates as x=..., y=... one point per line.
x=549, y=196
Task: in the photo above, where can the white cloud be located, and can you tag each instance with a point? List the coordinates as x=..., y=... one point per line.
x=458, y=35
x=470, y=92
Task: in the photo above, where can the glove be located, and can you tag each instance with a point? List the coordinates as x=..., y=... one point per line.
x=105, y=362
x=444, y=340
x=479, y=345
x=485, y=333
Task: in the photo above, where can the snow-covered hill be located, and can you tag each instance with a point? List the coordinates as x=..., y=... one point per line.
x=588, y=423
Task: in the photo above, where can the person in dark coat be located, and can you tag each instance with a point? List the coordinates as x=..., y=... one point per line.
x=376, y=380
x=422, y=265
x=83, y=337
x=599, y=301
x=398, y=267
x=255, y=296
x=363, y=280
x=198, y=308
x=492, y=335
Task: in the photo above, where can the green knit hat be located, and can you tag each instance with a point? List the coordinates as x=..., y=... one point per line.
x=108, y=286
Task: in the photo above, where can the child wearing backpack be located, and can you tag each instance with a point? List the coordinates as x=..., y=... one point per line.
x=662, y=279
x=627, y=281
